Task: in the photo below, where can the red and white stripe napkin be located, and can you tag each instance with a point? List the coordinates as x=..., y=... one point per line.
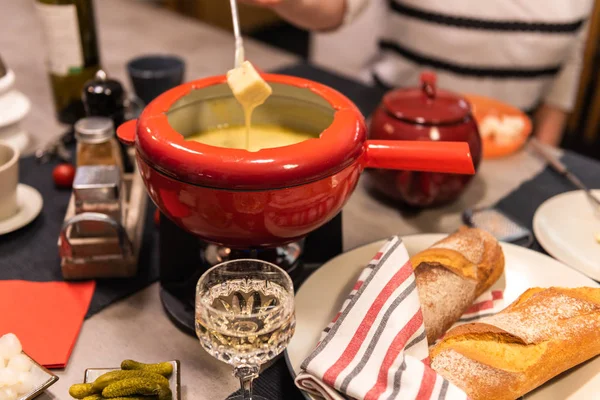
x=376, y=348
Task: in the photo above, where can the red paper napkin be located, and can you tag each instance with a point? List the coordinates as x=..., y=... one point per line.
x=45, y=316
x=376, y=348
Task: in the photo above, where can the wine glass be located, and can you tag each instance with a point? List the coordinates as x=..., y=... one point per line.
x=245, y=316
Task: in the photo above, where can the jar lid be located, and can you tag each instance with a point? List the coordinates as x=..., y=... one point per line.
x=94, y=129
x=426, y=104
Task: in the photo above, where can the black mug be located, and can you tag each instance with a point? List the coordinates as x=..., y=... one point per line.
x=153, y=75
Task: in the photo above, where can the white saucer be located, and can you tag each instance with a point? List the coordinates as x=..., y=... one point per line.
x=566, y=226
x=30, y=204
x=322, y=294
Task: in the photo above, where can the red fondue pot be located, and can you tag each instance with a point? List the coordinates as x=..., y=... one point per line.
x=273, y=196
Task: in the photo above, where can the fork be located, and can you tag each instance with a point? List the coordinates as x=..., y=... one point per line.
x=239, y=43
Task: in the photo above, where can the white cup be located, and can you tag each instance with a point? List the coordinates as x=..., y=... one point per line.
x=9, y=180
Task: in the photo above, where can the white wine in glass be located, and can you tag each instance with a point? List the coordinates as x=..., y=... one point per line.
x=245, y=316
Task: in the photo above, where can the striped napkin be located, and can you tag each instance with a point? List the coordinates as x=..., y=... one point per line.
x=376, y=348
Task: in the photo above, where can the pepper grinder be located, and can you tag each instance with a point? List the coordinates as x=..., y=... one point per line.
x=105, y=97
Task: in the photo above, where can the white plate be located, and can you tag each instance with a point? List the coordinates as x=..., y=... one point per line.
x=566, y=226
x=42, y=380
x=91, y=374
x=30, y=204
x=525, y=268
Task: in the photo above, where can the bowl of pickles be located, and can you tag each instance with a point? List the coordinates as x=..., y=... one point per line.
x=132, y=381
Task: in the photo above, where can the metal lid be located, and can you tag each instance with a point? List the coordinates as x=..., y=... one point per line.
x=94, y=129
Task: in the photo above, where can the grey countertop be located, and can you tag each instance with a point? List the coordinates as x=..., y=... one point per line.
x=137, y=326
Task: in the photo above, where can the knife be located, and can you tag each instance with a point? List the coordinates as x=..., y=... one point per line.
x=561, y=168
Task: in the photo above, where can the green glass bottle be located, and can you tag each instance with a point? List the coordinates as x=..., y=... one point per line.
x=72, y=52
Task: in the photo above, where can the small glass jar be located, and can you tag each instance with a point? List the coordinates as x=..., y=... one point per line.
x=96, y=142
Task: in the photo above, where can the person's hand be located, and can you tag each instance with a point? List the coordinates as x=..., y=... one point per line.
x=263, y=3
x=320, y=15
x=550, y=122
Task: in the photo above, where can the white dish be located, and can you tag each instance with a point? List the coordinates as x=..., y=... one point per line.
x=566, y=227
x=16, y=136
x=525, y=268
x=29, y=202
x=42, y=380
x=91, y=374
x=14, y=106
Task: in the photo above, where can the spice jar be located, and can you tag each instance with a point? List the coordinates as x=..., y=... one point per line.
x=96, y=142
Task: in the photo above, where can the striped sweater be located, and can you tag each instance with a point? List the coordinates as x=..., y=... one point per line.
x=523, y=52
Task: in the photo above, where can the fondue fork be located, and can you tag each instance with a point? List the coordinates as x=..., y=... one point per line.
x=239, y=43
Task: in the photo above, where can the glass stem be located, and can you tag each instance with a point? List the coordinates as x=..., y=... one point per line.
x=246, y=374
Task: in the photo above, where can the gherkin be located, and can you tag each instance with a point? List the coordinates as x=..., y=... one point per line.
x=164, y=368
x=82, y=390
x=94, y=397
x=99, y=397
x=132, y=386
x=114, y=376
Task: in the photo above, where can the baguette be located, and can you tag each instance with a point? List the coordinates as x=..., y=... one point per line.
x=542, y=334
x=452, y=273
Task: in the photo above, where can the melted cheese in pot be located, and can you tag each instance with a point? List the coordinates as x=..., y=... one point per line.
x=261, y=137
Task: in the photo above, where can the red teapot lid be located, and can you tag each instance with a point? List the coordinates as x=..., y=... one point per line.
x=426, y=104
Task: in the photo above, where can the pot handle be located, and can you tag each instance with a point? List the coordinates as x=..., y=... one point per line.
x=426, y=156
x=126, y=132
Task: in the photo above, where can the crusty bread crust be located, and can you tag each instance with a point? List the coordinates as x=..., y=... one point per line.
x=542, y=334
x=452, y=274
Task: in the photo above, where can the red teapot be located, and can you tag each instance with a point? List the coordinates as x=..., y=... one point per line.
x=427, y=114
